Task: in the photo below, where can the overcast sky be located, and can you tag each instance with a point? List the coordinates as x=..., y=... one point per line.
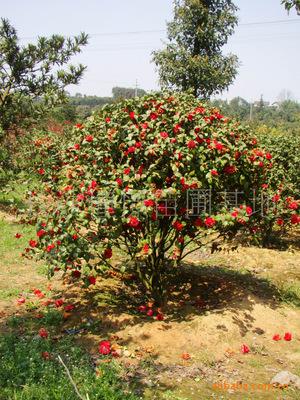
x=124, y=32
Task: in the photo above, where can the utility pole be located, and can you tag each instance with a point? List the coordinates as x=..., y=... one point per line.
x=136, y=87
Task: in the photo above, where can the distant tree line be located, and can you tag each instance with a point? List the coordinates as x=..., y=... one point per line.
x=259, y=113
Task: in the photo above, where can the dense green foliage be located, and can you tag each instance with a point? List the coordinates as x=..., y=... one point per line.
x=34, y=72
x=192, y=58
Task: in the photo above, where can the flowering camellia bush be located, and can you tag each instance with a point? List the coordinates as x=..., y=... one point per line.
x=158, y=177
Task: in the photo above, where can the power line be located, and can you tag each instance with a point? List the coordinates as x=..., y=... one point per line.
x=164, y=30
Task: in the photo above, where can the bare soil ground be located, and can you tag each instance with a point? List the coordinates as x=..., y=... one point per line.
x=217, y=303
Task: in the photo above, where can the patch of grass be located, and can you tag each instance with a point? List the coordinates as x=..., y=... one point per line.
x=26, y=375
x=7, y=294
x=52, y=317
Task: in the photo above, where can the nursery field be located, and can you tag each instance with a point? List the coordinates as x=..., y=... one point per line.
x=217, y=304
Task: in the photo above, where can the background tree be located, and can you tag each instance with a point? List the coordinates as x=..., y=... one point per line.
x=126, y=93
x=289, y=4
x=34, y=72
x=193, y=59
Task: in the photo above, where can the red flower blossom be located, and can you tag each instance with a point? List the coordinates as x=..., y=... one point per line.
x=177, y=225
x=244, y=349
x=153, y=116
x=293, y=205
x=46, y=356
x=107, y=253
x=214, y=172
x=134, y=222
x=89, y=138
x=76, y=274
x=280, y=222
x=92, y=280
x=191, y=144
x=119, y=182
x=21, y=300
x=43, y=334
x=209, y=222
x=287, y=336
x=131, y=115
x=17, y=235
x=37, y=292
x=127, y=171
x=159, y=317
x=142, y=308
x=164, y=135
x=295, y=219
x=32, y=243
x=59, y=303
x=229, y=169
x=149, y=312
x=41, y=171
x=185, y=356
x=198, y=222
x=105, y=347
x=149, y=203
x=40, y=233
x=276, y=337
x=131, y=149
x=248, y=210
x=79, y=126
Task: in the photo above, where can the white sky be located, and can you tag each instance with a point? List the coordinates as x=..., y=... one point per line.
x=124, y=32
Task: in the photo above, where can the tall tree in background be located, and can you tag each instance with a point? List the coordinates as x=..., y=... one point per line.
x=34, y=72
x=192, y=59
x=290, y=4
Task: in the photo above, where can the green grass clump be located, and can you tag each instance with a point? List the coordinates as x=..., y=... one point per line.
x=26, y=375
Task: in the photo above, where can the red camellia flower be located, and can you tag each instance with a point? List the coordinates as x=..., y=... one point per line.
x=21, y=300
x=149, y=312
x=119, y=182
x=131, y=115
x=59, y=303
x=248, y=210
x=230, y=169
x=127, y=171
x=76, y=147
x=32, y=243
x=276, y=337
x=37, y=292
x=131, y=149
x=75, y=237
x=177, y=225
x=46, y=356
x=149, y=203
x=133, y=222
x=209, y=222
x=287, y=336
x=76, y=274
x=79, y=126
x=69, y=307
x=244, y=349
x=295, y=219
x=191, y=144
x=105, y=347
x=293, y=205
x=185, y=356
x=159, y=317
x=43, y=334
x=198, y=222
x=92, y=280
x=280, y=222
x=17, y=235
x=142, y=308
x=164, y=135
x=41, y=171
x=89, y=138
x=107, y=253
x=214, y=172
